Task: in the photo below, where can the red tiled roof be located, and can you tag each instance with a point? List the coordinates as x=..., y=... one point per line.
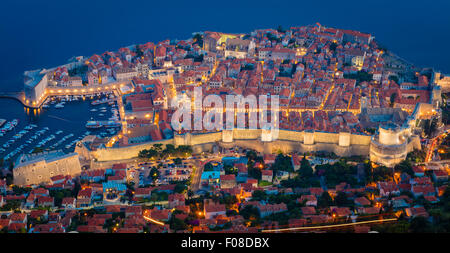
x=214, y=208
x=68, y=201
x=17, y=217
x=119, y=166
x=308, y=210
x=230, y=177
x=85, y=193
x=267, y=172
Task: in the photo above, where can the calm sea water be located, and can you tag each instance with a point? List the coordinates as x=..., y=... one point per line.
x=46, y=33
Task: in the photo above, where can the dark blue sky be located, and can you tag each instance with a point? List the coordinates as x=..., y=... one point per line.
x=46, y=33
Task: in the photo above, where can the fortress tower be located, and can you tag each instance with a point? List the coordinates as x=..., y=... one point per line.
x=227, y=136
x=308, y=138
x=179, y=139
x=389, y=134
x=266, y=135
x=392, y=144
x=344, y=139
x=436, y=96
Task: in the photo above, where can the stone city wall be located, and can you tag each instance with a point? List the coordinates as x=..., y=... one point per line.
x=343, y=144
x=390, y=155
x=293, y=146
x=122, y=153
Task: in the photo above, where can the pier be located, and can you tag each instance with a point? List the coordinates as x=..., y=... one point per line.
x=18, y=95
x=51, y=91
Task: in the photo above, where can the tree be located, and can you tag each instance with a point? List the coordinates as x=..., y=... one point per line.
x=198, y=39
x=250, y=212
x=11, y=205
x=306, y=171
x=342, y=200
x=271, y=37
x=254, y=173
x=78, y=70
x=360, y=76
x=230, y=169
x=430, y=126
x=324, y=200
x=420, y=225
x=333, y=46
x=259, y=195
x=59, y=195
x=392, y=99
x=138, y=51
x=199, y=58
x=208, y=167
x=370, y=130
x=394, y=78
x=154, y=173
x=177, y=161
x=280, y=29
x=177, y=224
x=251, y=155
x=247, y=67
x=404, y=166
x=129, y=194
x=283, y=163
x=158, y=147
x=38, y=150
x=20, y=190
x=190, y=193
x=416, y=156
x=76, y=188
x=148, y=153
x=436, y=214
x=445, y=110
x=184, y=150
x=9, y=179
x=379, y=173
x=401, y=226
x=180, y=188
x=157, y=152
x=337, y=173
x=446, y=197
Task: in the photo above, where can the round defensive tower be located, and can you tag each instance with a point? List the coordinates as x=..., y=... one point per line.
x=389, y=134
x=389, y=147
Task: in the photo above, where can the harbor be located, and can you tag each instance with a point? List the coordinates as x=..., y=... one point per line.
x=25, y=130
x=54, y=91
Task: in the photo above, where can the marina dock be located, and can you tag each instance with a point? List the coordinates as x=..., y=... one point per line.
x=63, y=91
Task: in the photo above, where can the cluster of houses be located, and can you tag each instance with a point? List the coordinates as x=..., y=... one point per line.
x=117, y=207
x=401, y=196
x=323, y=76
x=51, y=207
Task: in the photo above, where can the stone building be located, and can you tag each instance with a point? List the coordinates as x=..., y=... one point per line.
x=39, y=168
x=392, y=144
x=35, y=83
x=443, y=81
